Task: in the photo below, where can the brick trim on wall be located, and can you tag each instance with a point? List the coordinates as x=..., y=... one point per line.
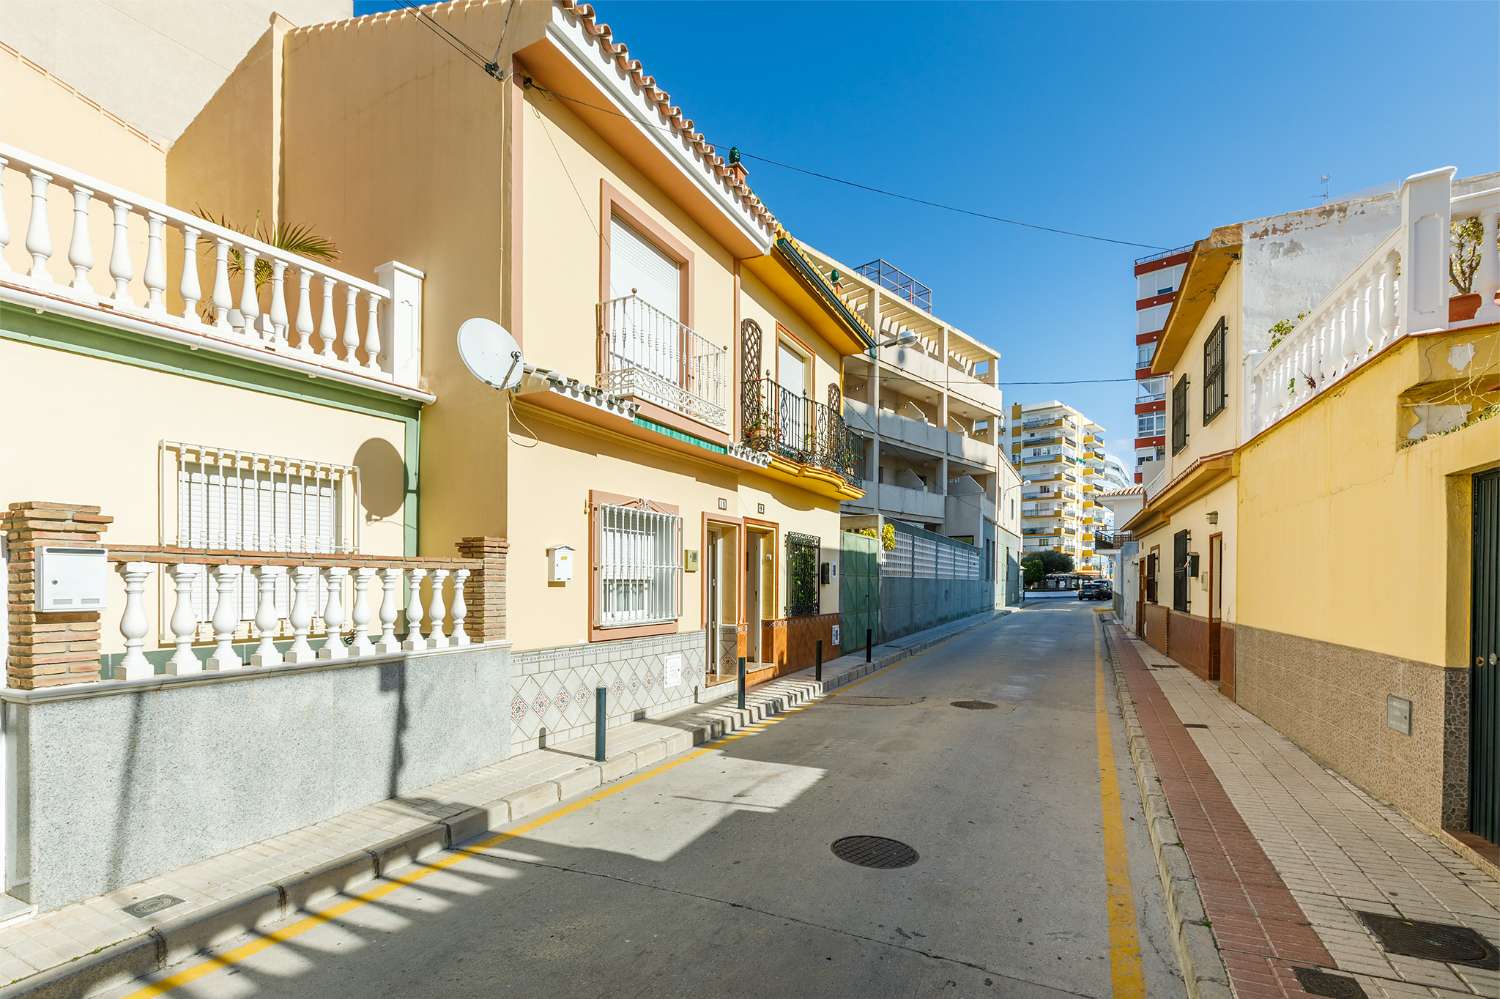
x=484, y=590
x=46, y=650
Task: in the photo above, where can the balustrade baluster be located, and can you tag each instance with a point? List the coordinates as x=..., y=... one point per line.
x=80, y=246
x=437, y=614
x=133, y=621
x=1388, y=297
x=155, y=274
x=363, y=645
x=4, y=222
x=304, y=580
x=304, y=311
x=390, y=593
x=226, y=618
x=372, y=333
x=460, y=608
x=266, y=617
x=414, y=640
x=351, y=325
x=120, y=266
x=333, y=615
x=223, y=297
x=184, y=620
x=249, y=299
x=277, y=334
x=39, y=230
x=1487, y=277
x=327, y=330
x=189, y=288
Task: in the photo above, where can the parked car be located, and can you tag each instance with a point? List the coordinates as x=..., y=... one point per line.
x=1095, y=589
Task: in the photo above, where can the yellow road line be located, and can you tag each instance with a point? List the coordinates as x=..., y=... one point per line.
x=1126, y=978
x=457, y=855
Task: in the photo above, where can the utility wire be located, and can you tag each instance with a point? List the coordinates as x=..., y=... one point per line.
x=986, y=216
x=456, y=43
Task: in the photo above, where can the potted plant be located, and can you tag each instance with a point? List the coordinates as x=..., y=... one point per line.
x=1468, y=234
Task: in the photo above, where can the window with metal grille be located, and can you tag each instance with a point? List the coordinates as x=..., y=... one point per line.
x=231, y=500
x=1213, y=371
x=1179, y=414
x=802, y=595
x=1151, y=561
x=1180, y=571
x=638, y=564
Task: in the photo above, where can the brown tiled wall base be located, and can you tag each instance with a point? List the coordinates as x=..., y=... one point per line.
x=1331, y=700
x=1260, y=931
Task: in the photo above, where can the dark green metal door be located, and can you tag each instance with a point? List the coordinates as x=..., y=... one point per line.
x=1484, y=670
x=859, y=589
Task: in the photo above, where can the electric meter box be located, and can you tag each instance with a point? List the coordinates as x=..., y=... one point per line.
x=70, y=579
x=560, y=564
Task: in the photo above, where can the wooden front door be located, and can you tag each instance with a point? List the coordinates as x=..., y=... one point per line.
x=1215, y=600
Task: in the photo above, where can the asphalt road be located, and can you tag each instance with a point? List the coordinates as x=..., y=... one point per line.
x=715, y=876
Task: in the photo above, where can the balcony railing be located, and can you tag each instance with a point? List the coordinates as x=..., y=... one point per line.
x=776, y=420
x=260, y=300
x=647, y=354
x=1403, y=286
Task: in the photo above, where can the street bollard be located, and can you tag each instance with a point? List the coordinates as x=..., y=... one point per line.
x=869, y=636
x=601, y=717
x=742, y=683
x=818, y=663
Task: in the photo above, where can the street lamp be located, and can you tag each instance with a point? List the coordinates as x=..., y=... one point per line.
x=903, y=339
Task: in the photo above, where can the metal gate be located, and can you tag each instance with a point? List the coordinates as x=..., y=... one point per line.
x=1484, y=673
x=859, y=589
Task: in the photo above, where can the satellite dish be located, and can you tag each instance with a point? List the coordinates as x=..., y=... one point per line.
x=490, y=353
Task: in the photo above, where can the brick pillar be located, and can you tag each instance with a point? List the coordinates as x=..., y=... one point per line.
x=484, y=590
x=48, y=649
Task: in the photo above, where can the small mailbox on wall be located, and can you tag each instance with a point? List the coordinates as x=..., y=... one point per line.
x=560, y=564
x=70, y=579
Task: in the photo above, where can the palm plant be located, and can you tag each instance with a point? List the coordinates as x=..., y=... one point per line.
x=293, y=237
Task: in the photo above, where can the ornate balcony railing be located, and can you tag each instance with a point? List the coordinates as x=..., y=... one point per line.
x=647, y=354
x=776, y=420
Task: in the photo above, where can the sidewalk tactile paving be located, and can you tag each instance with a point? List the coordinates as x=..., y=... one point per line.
x=1336, y=850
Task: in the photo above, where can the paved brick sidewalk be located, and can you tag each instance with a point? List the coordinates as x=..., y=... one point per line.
x=1335, y=850
x=1261, y=932
x=228, y=894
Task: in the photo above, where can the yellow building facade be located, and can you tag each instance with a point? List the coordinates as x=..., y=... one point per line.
x=678, y=432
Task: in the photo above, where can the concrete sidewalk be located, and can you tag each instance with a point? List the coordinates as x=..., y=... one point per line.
x=1334, y=852
x=98, y=944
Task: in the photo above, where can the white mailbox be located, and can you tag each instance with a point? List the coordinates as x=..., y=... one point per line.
x=70, y=579
x=560, y=564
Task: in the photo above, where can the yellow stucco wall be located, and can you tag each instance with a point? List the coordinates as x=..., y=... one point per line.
x=1347, y=539
x=1221, y=432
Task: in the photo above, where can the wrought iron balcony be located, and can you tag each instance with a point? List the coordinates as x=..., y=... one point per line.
x=647, y=354
x=776, y=420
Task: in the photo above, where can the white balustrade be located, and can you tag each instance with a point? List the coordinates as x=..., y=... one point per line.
x=247, y=305
x=362, y=602
x=436, y=613
x=1485, y=207
x=333, y=615
x=414, y=640
x=266, y=617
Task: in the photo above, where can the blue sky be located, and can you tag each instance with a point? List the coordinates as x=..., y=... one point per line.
x=1144, y=122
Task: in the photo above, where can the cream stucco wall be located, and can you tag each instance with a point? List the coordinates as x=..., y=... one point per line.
x=1221, y=432
x=552, y=479
x=1192, y=517
x=1347, y=539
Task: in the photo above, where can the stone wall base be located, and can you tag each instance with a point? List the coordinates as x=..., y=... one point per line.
x=1331, y=701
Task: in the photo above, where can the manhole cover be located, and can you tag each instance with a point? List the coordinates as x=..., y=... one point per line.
x=1432, y=941
x=1321, y=983
x=874, y=851
x=150, y=906
x=976, y=705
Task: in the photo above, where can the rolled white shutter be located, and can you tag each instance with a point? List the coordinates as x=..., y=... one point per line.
x=636, y=263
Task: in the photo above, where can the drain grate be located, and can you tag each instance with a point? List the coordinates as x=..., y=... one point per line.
x=1194, y=725
x=1432, y=941
x=1322, y=983
x=976, y=705
x=874, y=851
x=873, y=701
